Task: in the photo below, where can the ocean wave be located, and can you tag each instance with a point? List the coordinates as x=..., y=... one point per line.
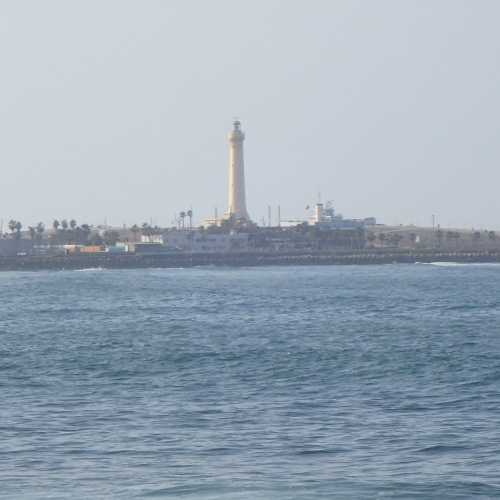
x=368, y=382
x=442, y=448
x=460, y=264
x=90, y=269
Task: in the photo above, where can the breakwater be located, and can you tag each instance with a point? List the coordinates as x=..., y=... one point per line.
x=180, y=259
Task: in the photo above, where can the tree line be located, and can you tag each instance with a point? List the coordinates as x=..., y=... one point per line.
x=67, y=232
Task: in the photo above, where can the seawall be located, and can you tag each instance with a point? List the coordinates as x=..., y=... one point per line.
x=131, y=261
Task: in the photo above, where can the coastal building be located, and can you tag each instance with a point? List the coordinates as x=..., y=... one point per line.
x=205, y=242
x=152, y=238
x=325, y=217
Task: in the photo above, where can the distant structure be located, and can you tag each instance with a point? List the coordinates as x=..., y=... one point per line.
x=237, y=208
x=325, y=217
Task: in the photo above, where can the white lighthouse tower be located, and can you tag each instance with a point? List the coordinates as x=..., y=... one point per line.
x=237, y=200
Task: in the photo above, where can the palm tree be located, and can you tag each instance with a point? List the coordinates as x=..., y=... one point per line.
x=19, y=226
x=182, y=215
x=32, y=232
x=72, y=224
x=40, y=228
x=64, y=224
x=190, y=215
x=12, y=226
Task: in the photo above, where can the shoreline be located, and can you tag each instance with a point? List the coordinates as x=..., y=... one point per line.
x=182, y=260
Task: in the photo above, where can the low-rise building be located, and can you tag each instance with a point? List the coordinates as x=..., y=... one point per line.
x=206, y=242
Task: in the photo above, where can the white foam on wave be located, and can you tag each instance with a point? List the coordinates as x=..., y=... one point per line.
x=90, y=269
x=460, y=264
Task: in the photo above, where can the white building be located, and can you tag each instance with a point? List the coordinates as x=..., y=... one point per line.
x=152, y=238
x=203, y=242
x=326, y=217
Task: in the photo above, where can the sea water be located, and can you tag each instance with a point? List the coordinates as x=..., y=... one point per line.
x=256, y=383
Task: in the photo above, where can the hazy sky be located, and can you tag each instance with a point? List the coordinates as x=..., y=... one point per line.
x=120, y=109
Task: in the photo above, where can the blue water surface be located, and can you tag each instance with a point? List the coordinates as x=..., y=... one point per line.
x=258, y=383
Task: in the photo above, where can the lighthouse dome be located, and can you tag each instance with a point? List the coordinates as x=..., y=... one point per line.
x=236, y=134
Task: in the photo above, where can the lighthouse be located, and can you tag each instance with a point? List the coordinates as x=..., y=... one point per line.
x=237, y=202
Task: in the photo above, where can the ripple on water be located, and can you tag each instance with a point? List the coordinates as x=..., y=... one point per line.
x=310, y=382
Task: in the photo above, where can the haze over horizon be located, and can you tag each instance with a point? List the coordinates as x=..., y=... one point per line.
x=121, y=109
